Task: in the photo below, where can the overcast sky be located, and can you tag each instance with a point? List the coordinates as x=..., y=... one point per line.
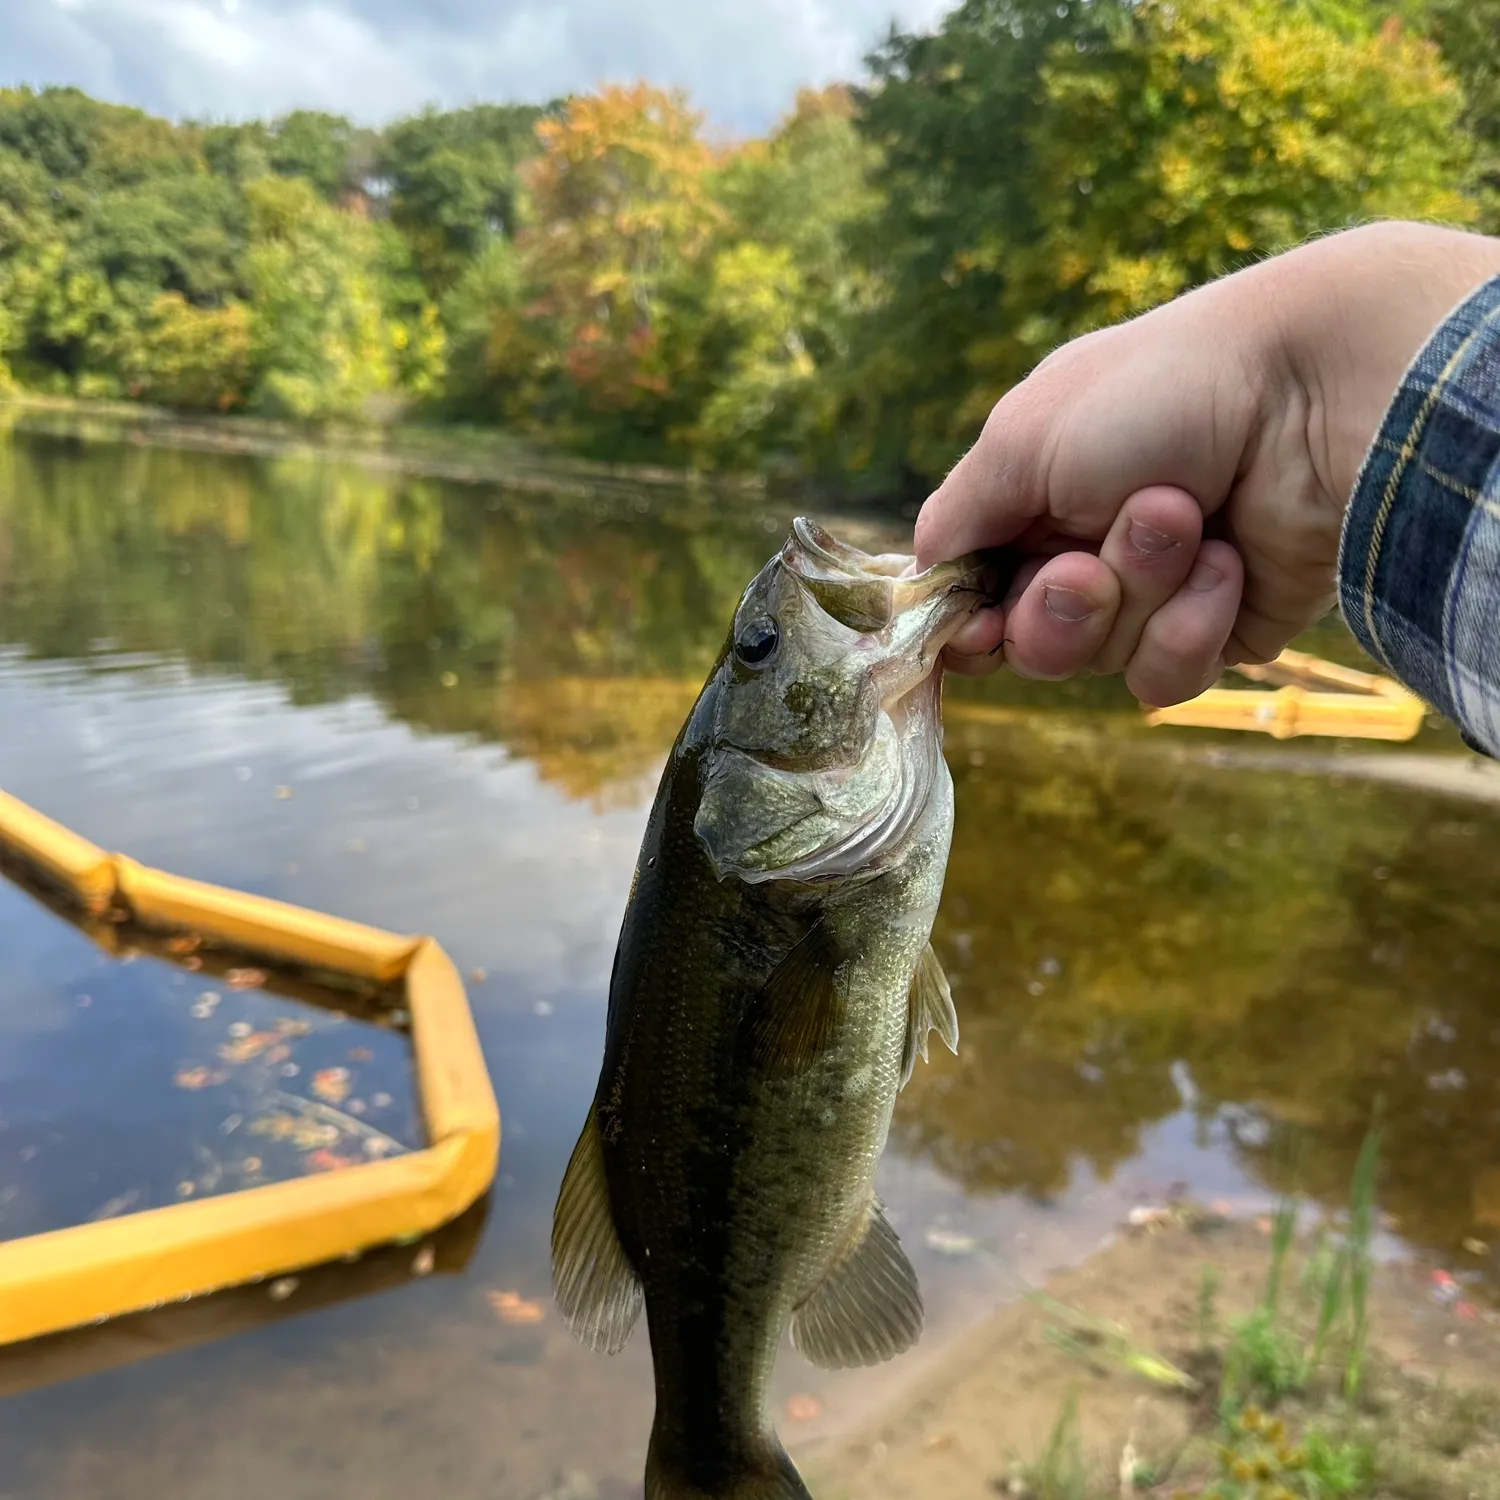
x=742, y=60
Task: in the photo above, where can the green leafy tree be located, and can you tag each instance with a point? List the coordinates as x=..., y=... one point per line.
x=776, y=293
x=1467, y=33
x=323, y=346
x=1047, y=168
x=453, y=181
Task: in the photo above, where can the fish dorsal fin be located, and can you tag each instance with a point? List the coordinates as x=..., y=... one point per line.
x=596, y=1288
x=869, y=1307
x=794, y=1018
x=929, y=1008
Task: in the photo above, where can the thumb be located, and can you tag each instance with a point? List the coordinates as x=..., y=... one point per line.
x=996, y=490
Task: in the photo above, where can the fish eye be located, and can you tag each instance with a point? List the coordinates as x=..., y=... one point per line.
x=757, y=642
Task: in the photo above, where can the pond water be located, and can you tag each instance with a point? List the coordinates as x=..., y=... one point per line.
x=441, y=707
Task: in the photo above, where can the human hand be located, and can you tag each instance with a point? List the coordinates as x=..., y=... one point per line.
x=1180, y=480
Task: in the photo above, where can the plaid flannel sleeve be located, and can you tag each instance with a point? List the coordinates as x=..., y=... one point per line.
x=1419, y=564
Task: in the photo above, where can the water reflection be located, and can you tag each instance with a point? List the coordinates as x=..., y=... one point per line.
x=1161, y=961
x=1129, y=937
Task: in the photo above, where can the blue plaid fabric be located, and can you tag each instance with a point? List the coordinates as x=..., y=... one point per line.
x=1419, y=564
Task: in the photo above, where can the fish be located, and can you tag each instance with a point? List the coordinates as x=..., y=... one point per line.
x=773, y=986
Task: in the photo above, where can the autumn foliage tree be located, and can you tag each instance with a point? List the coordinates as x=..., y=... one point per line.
x=616, y=206
x=843, y=298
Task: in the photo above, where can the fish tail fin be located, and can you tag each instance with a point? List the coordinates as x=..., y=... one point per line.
x=759, y=1472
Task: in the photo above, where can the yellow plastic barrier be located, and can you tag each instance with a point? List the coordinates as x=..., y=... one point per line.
x=1367, y=708
x=89, y=1272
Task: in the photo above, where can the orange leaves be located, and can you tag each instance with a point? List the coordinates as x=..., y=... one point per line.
x=619, y=201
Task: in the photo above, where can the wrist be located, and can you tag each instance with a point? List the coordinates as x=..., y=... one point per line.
x=1350, y=313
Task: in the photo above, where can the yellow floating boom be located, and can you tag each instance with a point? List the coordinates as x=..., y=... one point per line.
x=1366, y=707
x=90, y=1272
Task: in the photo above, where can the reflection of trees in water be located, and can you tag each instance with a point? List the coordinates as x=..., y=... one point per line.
x=334, y=578
x=1299, y=946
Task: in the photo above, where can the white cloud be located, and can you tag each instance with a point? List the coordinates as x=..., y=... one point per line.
x=742, y=60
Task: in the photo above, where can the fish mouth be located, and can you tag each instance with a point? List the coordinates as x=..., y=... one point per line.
x=871, y=592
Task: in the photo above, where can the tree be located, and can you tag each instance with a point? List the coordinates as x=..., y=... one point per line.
x=1218, y=131
x=618, y=205
x=324, y=149
x=195, y=358
x=777, y=293
x=1466, y=33
x=1051, y=167
x=323, y=345
x=453, y=179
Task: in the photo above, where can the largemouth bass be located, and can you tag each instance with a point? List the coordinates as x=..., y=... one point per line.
x=772, y=990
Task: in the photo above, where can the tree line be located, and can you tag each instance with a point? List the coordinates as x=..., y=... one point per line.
x=843, y=298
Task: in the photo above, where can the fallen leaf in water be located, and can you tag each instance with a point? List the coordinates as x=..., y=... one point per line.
x=324, y=1160
x=426, y=1259
x=331, y=1084
x=381, y=1101
x=198, y=1078
x=249, y=1046
x=478, y=976
x=513, y=1308
x=186, y=1189
x=803, y=1408
x=251, y=1164
x=288, y=1027
x=283, y=793
x=117, y=1206
x=184, y=942
x=1476, y=1247
x=361, y=1054
x=282, y=1288
x=245, y=979
x=304, y=1134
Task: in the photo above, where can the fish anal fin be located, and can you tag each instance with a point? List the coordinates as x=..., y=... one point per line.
x=795, y=1017
x=868, y=1308
x=596, y=1287
x=929, y=1008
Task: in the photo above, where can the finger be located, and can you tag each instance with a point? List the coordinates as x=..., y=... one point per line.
x=1183, y=645
x=1151, y=547
x=1058, y=624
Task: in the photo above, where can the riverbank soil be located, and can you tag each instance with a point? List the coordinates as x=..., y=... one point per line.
x=996, y=1419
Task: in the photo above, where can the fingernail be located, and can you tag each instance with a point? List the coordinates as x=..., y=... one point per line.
x=1204, y=578
x=1149, y=540
x=1067, y=604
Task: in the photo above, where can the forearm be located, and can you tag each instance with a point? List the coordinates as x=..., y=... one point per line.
x=1419, y=565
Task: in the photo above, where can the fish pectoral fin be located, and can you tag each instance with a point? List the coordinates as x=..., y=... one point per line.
x=868, y=1308
x=795, y=1017
x=596, y=1287
x=929, y=1008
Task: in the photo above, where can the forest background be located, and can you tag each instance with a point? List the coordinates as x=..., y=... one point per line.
x=842, y=300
